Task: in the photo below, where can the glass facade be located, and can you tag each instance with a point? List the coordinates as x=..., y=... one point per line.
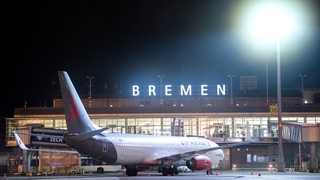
x=219, y=122
x=259, y=125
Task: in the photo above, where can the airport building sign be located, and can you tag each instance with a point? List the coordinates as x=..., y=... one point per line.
x=180, y=90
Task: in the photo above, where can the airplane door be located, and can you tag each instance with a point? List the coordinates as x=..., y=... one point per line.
x=104, y=146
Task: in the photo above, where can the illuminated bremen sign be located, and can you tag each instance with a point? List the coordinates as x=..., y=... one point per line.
x=205, y=90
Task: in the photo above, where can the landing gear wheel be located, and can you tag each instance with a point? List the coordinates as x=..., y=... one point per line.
x=131, y=172
x=170, y=171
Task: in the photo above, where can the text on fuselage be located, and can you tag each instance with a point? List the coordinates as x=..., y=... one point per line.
x=194, y=143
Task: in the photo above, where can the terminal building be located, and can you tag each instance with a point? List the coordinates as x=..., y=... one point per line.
x=220, y=119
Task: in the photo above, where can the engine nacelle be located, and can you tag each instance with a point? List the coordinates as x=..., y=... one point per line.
x=199, y=162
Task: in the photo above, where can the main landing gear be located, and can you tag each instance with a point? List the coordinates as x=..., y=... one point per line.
x=131, y=171
x=165, y=170
x=169, y=170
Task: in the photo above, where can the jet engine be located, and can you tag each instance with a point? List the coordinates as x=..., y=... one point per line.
x=199, y=162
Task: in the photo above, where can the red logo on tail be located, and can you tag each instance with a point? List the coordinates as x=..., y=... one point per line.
x=74, y=111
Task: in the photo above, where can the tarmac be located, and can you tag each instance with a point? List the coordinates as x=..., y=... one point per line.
x=199, y=175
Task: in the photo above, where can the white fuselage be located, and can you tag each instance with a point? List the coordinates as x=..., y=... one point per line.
x=148, y=149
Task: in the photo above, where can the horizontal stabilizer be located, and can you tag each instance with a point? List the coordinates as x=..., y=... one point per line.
x=42, y=135
x=88, y=135
x=24, y=147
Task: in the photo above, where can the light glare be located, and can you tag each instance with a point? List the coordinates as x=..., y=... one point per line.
x=266, y=20
x=271, y=21
x=259, y=24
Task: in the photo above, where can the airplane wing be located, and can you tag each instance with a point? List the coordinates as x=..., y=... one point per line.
x=223, y=147
x=189, y=154
x=24, y=147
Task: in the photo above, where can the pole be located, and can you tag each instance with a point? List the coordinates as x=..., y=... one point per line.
x=267, y=84
x=300, y=139
x=302, y=78
x=302, y=86
x=90, y=85
x=299, y=156
x=280, y=143
x=160, y=78
x=231, y=93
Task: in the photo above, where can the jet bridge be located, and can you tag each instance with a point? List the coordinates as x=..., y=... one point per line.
x=305, y=134
x=37, y=136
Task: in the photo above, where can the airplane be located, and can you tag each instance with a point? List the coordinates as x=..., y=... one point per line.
x=135, y=152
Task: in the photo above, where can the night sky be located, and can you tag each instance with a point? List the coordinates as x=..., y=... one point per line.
x=127, y=42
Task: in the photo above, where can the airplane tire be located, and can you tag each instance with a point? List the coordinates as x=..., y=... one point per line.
x=170, y=171
x=131, y=172
x=164, y=172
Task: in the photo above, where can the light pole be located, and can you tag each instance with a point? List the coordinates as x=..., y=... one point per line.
x=280, y=147
x=302, y=76
x=160, y=79
x=231, y=76
x=90, y=85
x=272, y=20
x=267, y=84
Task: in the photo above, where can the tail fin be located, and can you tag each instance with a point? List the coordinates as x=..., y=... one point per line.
x=77, y=118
